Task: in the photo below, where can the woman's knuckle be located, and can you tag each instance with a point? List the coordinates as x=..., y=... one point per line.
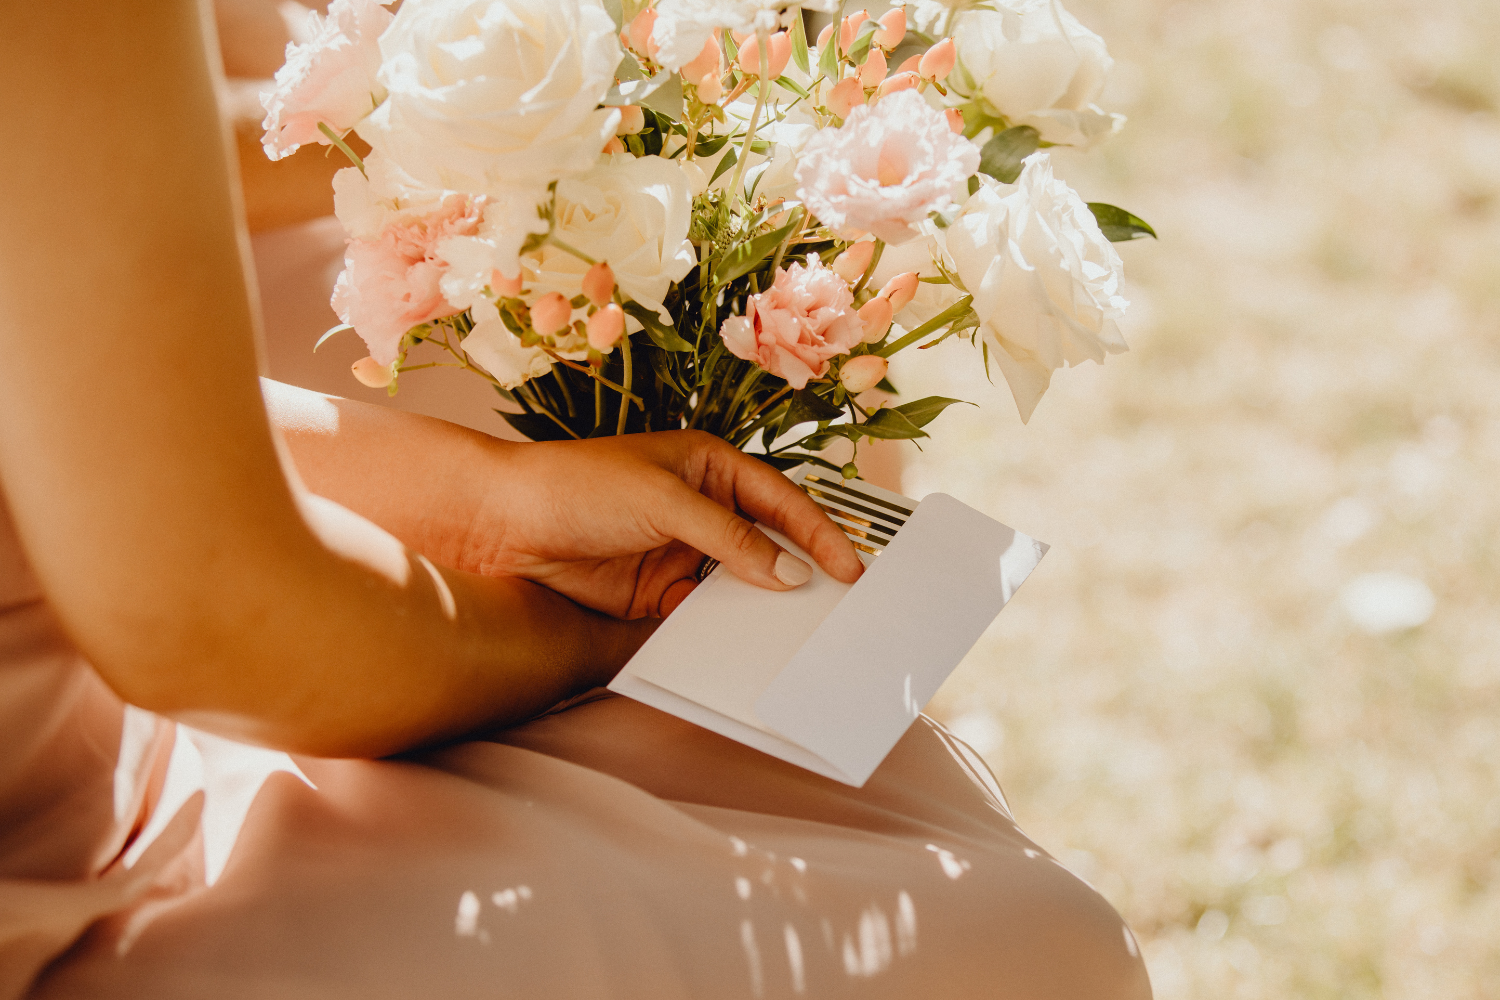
x=741, y=534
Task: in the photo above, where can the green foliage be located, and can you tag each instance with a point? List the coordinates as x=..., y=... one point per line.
x=828, y=59
x=923, y=411
x=1002, y=157
x=807, y=406
x=860, y=49
x=661, y=335
x=1118, y=225
x=799, y=43
x=746, y=257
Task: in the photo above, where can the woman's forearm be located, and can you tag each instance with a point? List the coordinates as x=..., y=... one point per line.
x=419, y=478
x=369, y=649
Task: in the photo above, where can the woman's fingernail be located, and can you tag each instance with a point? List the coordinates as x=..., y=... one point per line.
x=792, y=571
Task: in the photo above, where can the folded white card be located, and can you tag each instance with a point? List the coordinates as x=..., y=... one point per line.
x=829, y=676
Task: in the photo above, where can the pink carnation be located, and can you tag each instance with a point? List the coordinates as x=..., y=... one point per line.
x=391, y=283
x=330, y=79
x=890, y=166
x=793, y=328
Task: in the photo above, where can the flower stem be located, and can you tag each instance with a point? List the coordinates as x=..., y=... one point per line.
x=625, y=396
x=870, y=267
x=792, y=237
x=342, y=146
x=763, y=40
x=566, y=248
x=933, y=325
x=585, y=369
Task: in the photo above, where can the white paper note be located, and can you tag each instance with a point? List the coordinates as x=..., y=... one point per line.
x=829, y=676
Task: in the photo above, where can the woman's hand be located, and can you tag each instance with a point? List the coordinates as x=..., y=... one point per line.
x=618, y=524
x=622, y=524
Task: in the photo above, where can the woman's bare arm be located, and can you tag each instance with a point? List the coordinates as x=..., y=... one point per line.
x=137, y=458
x=136, y=455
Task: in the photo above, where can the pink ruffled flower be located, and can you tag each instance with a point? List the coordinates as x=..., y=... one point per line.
x=889, y=167
x=793, y=328
x=330, y=79
x=391, y=283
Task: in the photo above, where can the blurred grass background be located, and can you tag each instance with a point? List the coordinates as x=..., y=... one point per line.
x=1201, y=702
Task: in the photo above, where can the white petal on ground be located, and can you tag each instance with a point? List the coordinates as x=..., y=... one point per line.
x=1379, y=603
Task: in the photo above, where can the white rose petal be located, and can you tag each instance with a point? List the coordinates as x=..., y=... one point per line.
x=1046, y=283
x=486, y=95
x=631, y=212
x=498, y=351
x=1040, y=68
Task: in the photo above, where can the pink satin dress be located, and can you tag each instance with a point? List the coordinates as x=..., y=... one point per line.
x=604, y=850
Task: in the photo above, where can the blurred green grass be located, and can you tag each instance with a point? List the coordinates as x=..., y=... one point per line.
x=1178, y=703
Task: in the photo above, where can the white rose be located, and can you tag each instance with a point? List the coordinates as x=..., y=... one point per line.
x=1041, y=68
x=1045, y=281
x=494, y=348
x=486, y=95
x=633, y=213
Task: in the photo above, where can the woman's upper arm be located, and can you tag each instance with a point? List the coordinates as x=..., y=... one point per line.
x=132, y=438
x=133, y=443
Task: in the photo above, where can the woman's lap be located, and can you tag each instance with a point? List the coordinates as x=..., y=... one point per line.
x=613, y=851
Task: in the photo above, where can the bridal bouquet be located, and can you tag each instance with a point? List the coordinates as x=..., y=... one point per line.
x=631, y=215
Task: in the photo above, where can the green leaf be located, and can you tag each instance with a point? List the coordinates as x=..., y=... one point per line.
x=661, y=335
x=505, y=394
x=828, y=59
x=889, y=424
x=807, y=406
x=861, y=47
x=786, y=83
x=666, y=99
x=780, y=463
x=818, y=440
x=745, y=257
x=1002, y=156
x=799, y=42
x=885, y=385
x=922, y=412
x=959, y=310
x=1118, y=225
x=725, y=164
x=768, y=436
x=664, y=371
x=330, y=332
x=710, y=146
